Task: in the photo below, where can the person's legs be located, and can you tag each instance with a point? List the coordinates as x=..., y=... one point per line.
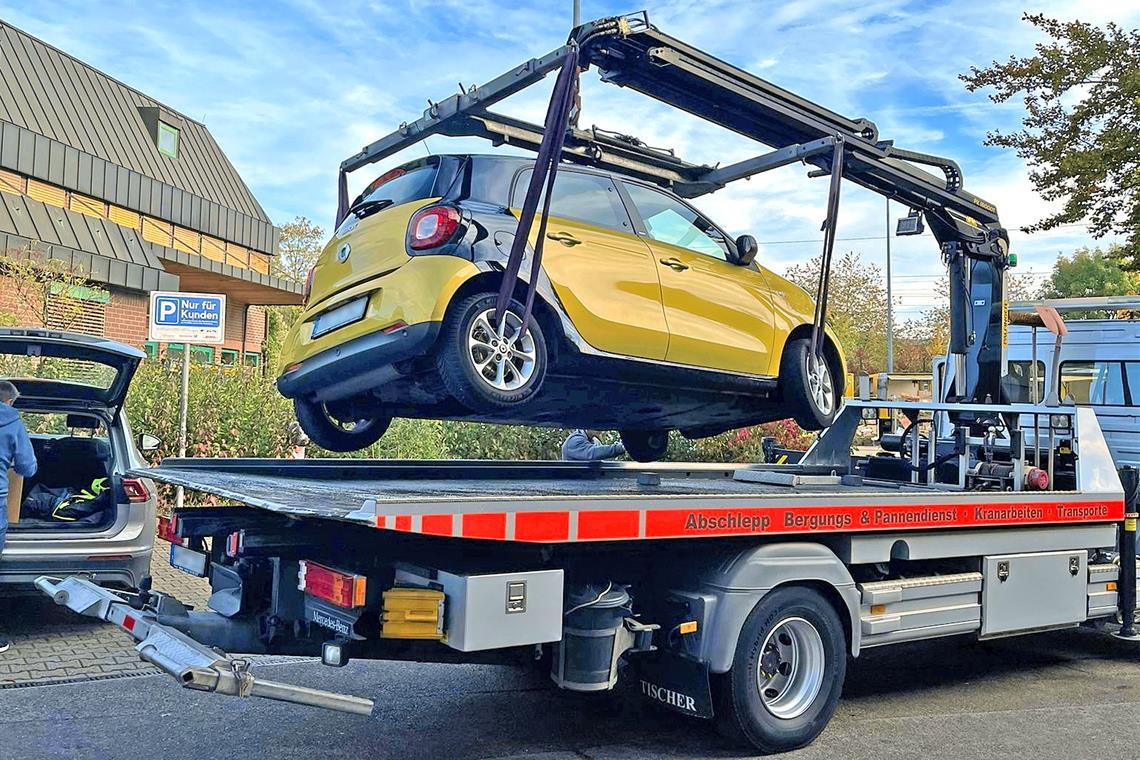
x=4, y=642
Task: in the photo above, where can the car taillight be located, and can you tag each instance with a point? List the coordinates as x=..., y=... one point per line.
x=432, y=226
x=340, y=588
x=135, y=490
x=307, y=288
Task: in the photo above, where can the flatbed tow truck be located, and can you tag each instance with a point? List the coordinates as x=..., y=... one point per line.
x=731, y=592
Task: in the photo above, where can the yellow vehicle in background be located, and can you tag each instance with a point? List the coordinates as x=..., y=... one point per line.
x=648, y=316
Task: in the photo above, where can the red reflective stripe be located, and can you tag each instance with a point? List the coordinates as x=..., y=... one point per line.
x=381, y=521
x=129, y=623
x=542, y=526
x=491, y=525
x=403, y=522
x=608, y=524
x=666, y=523
x=436, y=525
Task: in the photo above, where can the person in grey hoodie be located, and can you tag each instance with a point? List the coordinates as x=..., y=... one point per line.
x=586, y=446
x=16, y=454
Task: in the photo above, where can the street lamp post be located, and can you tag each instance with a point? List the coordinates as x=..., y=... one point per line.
x=890, y=303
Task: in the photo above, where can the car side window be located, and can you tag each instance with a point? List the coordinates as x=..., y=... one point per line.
x=580, y=197
x=670, y=221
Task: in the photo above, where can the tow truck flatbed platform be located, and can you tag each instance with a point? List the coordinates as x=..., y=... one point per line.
x=556, y=502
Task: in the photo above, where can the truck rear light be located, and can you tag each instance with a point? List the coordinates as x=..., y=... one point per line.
x=307, y=288
x=136, y=490
x=343, y=589
x=432, y=227
x=168, y=531
x=233, y=544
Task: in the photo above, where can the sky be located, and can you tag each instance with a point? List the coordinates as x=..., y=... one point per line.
x=289, y=89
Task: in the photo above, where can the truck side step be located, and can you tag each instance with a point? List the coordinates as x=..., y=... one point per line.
x=193, y=665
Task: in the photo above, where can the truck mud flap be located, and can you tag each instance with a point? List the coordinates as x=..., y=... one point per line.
x=674, y=681
x=194, y=665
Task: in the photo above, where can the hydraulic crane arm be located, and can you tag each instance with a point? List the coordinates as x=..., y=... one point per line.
x=630, y=52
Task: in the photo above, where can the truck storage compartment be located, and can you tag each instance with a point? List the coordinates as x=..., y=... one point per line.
x=1027, y=592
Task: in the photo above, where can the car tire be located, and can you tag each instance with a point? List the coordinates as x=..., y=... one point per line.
x=808, y=386
x=334, y=434
x=472, y=363
x=645, y=445
x=796, y=634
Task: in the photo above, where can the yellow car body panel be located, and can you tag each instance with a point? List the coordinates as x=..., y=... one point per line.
x=376, y=246
x=719, y=314
x=791, y=308
x=419, y=291
x=607, y=282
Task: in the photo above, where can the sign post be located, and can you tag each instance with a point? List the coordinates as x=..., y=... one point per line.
x=186, y=318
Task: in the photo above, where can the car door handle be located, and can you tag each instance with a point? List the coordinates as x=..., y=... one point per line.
x=563, y=237
x=674, y=263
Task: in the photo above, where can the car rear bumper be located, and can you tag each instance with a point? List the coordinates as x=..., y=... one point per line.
x=18, y=573
x=357, y=365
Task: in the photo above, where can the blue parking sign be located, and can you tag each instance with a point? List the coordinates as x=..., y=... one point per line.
x=187, y=317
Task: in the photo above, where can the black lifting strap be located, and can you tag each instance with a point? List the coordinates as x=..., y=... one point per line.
x=824, y=284
x=562, y=103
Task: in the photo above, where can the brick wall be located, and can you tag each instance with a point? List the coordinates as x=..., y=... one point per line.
x=127, y=317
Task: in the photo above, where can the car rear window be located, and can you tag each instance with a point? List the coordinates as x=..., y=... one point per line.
x=76, y=371
x=404, y=184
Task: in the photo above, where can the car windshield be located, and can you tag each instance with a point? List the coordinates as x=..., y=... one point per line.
x=403, y=185
x=57, y=425
x=18, y=367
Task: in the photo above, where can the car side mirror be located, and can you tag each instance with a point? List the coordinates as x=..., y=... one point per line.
x=746, y=248
x=148, y=442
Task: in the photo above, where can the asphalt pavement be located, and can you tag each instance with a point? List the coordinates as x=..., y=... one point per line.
x=1070, y=694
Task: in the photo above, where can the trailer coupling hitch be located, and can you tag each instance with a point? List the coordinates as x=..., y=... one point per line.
x=194, y=665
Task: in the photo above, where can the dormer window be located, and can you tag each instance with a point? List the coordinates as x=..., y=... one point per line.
x=168, y=139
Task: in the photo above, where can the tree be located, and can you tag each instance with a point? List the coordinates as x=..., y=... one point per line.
x=43, y=291
x=856, y=307
x=1089, y=273
x=301, y=244
x=1081, y=132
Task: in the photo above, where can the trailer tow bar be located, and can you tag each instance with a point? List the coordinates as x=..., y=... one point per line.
x=194, y=665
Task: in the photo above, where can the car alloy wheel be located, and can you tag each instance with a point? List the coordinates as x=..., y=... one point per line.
x=500, y=356
x=820, y=385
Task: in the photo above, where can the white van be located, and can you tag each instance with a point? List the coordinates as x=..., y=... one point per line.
x=1099, y=367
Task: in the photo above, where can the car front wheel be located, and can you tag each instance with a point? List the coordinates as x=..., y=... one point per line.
x=335, y=433
x=808, y=385
x=488, y=365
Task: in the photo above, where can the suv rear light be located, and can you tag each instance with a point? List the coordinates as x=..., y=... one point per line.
x=343, y=589
x=136, y=490
x=307, y=288
x=432, y=227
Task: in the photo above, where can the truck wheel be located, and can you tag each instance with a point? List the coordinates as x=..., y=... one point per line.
x=645, y=445
x=332, y=433
x=808, y=386
x=787, y=673
x=484, y=369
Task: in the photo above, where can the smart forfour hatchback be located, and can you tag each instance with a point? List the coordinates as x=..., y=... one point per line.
x=648, y=317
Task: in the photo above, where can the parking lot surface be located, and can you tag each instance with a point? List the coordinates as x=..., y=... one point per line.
x=1067, y=694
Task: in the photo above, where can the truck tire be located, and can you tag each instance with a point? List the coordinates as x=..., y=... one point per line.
x=808, y=385
x=480, y=369
x=787, y=673
x=330, y=432
x=645, y=445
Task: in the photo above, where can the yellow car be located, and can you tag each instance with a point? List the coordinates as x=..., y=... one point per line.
x=648, y=317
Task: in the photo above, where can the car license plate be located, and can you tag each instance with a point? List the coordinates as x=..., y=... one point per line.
x=189, y=561
x=342, y=315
